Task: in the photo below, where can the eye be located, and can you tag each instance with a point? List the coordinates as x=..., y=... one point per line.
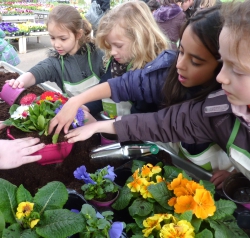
x=195, y=64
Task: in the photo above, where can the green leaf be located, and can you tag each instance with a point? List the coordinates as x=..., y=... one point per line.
x=23, y=195
x=13, y=231
x=103, y=224
x=55, y=138
x=60, y=223
x=13, y=108
x=52, y=196
x=186, y=216
x=2, y=223
x=205, y=234
x=123, y=200
x=208, y=186
x=137, y=164
x=88, y=211
x=161, y=194
x=8, y=204
x=171, y=172
x=28, y=233
x=223, y=209
x=196, y=223
x=41, y=122
x=227, y=228
x=140, y=207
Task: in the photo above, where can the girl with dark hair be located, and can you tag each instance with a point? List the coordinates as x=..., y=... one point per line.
x=191, y=76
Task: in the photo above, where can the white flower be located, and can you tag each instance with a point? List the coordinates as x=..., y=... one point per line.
x=21, y=112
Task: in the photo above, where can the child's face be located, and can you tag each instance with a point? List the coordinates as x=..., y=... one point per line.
x=120, y=45
x=195, y=64
x=234, y=75
x=186, y=4
x=62, y=40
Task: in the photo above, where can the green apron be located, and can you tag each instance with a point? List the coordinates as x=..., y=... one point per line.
x=112, y=109
x=239, y=157
x=73, y=89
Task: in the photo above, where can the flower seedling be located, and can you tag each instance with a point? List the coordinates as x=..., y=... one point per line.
x=164, y=201
x=100, y=225
x=35, y=113
x=22, y=215
x=97, y=185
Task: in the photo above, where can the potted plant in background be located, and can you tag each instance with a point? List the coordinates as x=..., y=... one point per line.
x=99, y=187
x=22, y=215
x=99, y=224
x=163, y=201
x=34, y=115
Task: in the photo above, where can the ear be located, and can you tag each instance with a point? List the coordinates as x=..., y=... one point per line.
x=79, y=34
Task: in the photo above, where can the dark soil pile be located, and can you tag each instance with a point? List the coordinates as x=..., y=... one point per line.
x=34, y=175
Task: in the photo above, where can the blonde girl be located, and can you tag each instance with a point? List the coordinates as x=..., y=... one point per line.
x=130, y=38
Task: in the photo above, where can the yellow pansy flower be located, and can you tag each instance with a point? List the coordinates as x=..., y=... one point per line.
x=204, y=204
x=152, y=223
x=144, y=190
x=24, y=209
x=182, y=229
x=136, y=184
x=34, y=222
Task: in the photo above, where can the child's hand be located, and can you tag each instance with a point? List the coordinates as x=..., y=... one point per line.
x=219, y=177
x=89, y=118
x=85, y=132
x=15, y=83
x=64, y=117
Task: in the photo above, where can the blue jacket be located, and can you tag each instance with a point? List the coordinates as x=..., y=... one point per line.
x=143, y=84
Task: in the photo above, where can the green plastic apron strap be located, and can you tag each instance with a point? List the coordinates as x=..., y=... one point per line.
x=233, y=134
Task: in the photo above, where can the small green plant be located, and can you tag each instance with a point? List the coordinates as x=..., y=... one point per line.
x=99, y=224
x=99, y=184
x=22, y=215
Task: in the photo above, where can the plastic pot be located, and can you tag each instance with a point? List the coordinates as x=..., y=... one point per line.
x=237, y=188
x=51, y=153
x=9, y=94
x=107, y=139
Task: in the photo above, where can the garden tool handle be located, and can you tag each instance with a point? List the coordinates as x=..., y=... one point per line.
x=188, y=166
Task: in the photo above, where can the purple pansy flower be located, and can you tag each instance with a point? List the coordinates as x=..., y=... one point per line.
x=116, y=230
x=81, y=174
x=111, y=175
x=75, y=210
x=79, y=118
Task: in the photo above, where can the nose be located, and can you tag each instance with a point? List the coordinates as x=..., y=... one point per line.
x=222, y=76
x=181, y=62
x=56, y=44
x=113, y=51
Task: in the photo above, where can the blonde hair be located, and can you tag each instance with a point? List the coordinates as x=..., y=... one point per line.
x=136, y=19
x=207, y=3
x=68, y=17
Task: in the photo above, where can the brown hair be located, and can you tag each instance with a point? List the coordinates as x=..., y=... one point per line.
x=68, y=17
x=135, y=18
x=206, y=25
x=236, y=16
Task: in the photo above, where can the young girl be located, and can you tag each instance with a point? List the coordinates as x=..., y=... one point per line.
x=130, y=39
x=75, y=64
x=224, y=117
x=197, y=66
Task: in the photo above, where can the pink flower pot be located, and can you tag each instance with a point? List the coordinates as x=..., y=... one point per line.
x=106, y=203
x=51, y=153
x=107, y=139
x=9, y=94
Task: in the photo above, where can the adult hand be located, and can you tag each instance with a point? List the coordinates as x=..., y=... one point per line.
x=219, y=177
x=2, y=126
x=14, y=153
